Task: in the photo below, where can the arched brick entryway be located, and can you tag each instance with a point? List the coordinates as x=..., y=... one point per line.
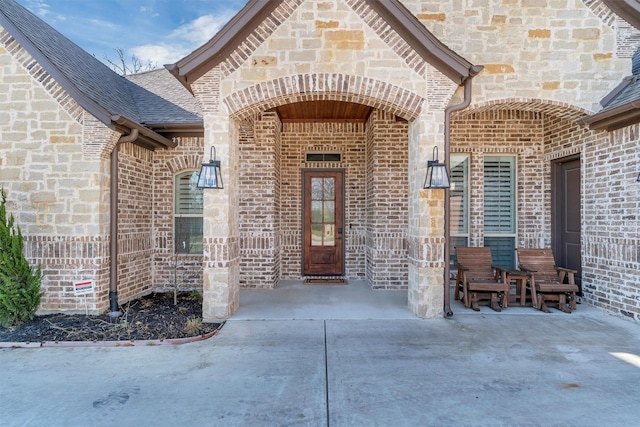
x=374, y=159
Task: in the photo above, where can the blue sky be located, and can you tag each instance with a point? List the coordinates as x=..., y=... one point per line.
x=156, y=31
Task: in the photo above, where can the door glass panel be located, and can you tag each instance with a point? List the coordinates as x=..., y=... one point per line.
x=316, y=234
x=329, y=236
x=329, y=212
x=329, y=189
x=316, y=211
x=316, y=188
x=323, y=211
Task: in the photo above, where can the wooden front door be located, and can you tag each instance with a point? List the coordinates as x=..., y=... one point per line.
x=567, y=247
x=323, y=214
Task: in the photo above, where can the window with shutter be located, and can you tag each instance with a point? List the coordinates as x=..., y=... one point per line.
x=500, y=208
x=188, y=214
x=459, y=204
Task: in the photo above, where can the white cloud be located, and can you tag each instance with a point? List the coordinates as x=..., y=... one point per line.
x=181, y=41
x=201, y=29
x=157, y=54
x=148, y=11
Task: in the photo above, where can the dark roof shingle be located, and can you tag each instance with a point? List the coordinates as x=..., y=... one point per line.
x=91, y=83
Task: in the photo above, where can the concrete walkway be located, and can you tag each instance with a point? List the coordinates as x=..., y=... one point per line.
x=520, y=367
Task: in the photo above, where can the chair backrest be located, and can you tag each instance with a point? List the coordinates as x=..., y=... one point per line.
x=539, y=260
x=476, y=262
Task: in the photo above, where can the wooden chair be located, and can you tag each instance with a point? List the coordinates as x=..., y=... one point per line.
x=478, y=279
x=548, y=280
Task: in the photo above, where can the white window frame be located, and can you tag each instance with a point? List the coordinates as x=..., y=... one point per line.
x=514, y=201
x=187, y=248
x=455, y=160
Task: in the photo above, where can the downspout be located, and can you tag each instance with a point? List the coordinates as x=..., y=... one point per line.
x=113, y=225
x=447, y=192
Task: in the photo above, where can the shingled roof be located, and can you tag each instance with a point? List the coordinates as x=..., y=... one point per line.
x=621, y=107
x=99, y=90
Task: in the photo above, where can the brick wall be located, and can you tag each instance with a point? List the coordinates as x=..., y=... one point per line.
x=135, y=221
x=387, y=192
x=297, y=140
x=374, y=157
x=611, y=222
x=170, y=270
x=260, y=243
x=506, y=132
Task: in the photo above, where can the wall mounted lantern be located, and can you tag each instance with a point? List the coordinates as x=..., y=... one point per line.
x=210, y=175
x=437, y=176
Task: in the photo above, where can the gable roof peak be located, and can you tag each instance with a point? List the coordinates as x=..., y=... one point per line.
x=255, y=12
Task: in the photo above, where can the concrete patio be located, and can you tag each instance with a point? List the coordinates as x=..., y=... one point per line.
x=335, y=355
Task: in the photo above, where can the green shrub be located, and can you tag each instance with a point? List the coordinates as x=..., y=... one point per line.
x=19, y=283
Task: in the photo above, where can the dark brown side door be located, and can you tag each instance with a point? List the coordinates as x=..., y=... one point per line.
x=567, y=246
x=323, y=214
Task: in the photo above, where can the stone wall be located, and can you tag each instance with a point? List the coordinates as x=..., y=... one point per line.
x=534, y=49
x=54, y=186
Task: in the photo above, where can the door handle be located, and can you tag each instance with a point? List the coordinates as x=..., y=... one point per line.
x=340, y=230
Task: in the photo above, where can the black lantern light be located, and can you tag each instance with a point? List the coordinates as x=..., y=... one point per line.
x=210, y=175
x=437, y=175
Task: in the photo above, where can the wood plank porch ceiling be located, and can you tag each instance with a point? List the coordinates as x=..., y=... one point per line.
x=323, y=111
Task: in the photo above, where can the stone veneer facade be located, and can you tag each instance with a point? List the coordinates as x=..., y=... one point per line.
x=525, y=102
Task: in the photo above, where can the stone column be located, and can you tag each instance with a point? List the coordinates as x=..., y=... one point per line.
x=221, y=293
x=426, y=219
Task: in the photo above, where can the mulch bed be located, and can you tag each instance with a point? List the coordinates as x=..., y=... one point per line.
x=153, y=317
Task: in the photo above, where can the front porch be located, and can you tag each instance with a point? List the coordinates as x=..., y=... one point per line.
x=292, y=300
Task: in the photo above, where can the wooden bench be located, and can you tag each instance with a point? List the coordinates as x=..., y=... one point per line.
x=548, y=280
x=479, y=280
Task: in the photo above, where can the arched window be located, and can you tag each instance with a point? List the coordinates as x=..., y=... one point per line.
x=188, y=214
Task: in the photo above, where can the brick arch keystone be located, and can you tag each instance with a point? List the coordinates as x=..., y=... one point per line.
x=551, y=108
x=394, y=99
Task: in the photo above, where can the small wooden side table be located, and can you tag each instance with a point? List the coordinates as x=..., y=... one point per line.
x=520, y=277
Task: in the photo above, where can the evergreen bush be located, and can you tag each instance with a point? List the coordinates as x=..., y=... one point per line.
x=19, y=283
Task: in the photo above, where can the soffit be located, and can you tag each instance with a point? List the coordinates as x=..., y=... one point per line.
x=323, y=111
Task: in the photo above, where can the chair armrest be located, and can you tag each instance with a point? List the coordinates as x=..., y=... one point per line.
x=567, y=270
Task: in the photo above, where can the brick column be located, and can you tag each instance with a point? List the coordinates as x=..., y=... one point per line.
x=221, y=294
x=260, y=202
x=387, y=188
x=426, y=220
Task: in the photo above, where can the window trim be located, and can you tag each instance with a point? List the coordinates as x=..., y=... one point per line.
x=514, y=188
x=176, y=215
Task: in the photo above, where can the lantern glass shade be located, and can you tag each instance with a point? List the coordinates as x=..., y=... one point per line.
x=437, y=176
x=210, y=175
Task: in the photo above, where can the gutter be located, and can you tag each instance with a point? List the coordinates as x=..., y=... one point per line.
x=146, y=138
x=615, y=118
x=447, y=192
